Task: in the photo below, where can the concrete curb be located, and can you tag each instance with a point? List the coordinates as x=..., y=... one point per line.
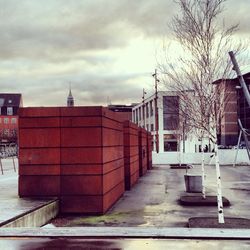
x=35, y=217
x=127, y=232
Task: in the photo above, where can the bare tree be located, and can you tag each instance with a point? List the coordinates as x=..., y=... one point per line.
x=204, y=45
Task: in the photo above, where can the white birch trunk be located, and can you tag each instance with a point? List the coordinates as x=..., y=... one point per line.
x=203, y=171
x=219, y=191
x=180, y=157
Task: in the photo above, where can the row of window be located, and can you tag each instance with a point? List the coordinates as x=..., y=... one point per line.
x=7, y=120
x=9, y=111
x=139, y=114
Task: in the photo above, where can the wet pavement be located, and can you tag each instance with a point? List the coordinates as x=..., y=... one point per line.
x=11, y=206
x=129, y=244
x=153, y=201
x=150, y=210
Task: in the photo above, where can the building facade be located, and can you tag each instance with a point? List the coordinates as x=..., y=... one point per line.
x=161, y=117
x=9, y=105
x=235, y=107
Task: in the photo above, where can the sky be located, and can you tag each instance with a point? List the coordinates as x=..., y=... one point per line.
x=106, y=50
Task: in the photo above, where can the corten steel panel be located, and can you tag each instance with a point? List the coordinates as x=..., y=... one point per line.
x=81, y=185
x=81, y=111
x=131, y=159
x=113, y=124
x=134, y=139
x=37, y=186
x=81, y=155
x=112, y=196
x=32, y=156
x=39, y=122
x=131, y=151
x=113, y=178
x=134, y=178
x=81, y=121
x=81, y=137
x=110, y=166
x=112, y=153
x=112, y=115
x=149, y=151
x=88, y=169
x=39, y=169
x=85, y=204
x=134, y=166
x=39, y=112
x=124, y=116
x=142, y=151
x=39, y=138
x=80, y=169
x=112, y=137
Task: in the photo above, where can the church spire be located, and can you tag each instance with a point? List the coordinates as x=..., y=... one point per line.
x=70, y=100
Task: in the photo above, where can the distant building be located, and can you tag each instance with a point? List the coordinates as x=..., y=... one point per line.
x=162, y=119
x=236, y=107
x=124, y=111
x=9, y=105
x=70, y=99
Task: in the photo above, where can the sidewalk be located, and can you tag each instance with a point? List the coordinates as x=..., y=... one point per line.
x=153, y=201
x=11, y=206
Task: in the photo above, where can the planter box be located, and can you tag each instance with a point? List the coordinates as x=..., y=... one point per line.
x=193, y=183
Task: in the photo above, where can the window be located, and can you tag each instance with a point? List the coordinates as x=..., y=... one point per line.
x=152, y=127
x=136, y=116
x=13, y=120
x=170, y=112
x=9, y=111
x=170, y=143
x=139, y=113
x=147, y=127
x=147, y=113
x=6, y=120
x=151, y=108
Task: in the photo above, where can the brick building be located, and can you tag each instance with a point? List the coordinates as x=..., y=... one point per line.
x=9, y=105
x=235, y=107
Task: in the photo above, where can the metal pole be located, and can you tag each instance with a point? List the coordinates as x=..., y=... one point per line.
x=245, y=138
x=143, y=109
x=156, y=112
x=14, y=165
x=237, y=150
x=240, y=77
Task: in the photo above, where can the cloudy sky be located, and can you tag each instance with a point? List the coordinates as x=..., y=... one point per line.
x=106, y=49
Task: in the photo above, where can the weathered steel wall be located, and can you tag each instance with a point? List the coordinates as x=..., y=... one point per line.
x=75, y=153
x=131, y=154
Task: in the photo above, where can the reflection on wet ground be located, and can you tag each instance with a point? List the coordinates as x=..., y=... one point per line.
x=116, y=244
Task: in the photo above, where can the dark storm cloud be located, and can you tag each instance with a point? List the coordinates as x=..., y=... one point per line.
x=45, y=44
x=47, y=29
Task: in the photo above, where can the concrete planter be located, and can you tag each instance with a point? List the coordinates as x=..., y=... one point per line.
x=193, y=183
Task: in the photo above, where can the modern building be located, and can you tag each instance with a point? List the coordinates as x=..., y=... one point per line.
x=9, y=105
x=162, y=119
x=236, y=107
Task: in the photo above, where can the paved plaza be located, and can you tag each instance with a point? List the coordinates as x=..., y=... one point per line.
x=153, y=201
